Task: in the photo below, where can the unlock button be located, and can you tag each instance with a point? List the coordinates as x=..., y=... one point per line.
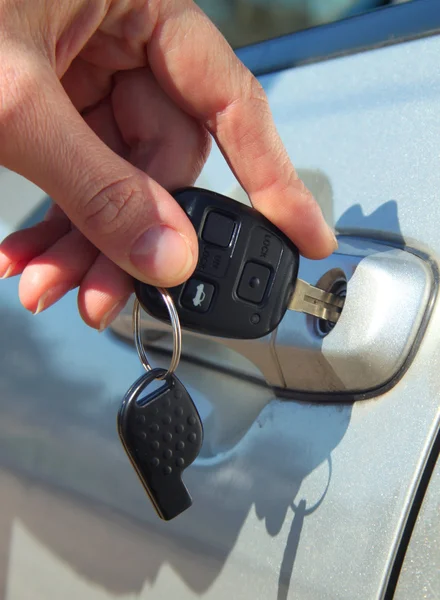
x=197, y=295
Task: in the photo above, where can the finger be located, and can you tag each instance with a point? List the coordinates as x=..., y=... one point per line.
x=105, y=288
x=22, y=246
x=56, y=271
x=125, y=213
x=165, y=142
x=86, y=84
x=102, y=121
x=199, y=70
x=54, y=212
x=170, y=138
x=103, y=293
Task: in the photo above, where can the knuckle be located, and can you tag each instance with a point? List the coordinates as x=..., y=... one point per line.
x=17, y=94
x=114, y=208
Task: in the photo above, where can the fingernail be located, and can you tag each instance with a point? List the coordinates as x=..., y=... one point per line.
x=8, y=271
x=334, y=239
x=112, y=314
x=162, y=254
x=51, y=296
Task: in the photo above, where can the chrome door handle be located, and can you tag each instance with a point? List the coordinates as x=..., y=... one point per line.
x=389, y=296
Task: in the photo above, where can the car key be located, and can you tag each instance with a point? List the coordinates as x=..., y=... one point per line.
x=246, y=277
x=162, y=435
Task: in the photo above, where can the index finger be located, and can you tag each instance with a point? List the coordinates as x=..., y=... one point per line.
x=196, y=66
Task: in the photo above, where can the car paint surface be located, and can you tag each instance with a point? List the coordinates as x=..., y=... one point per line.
x=423, y=556
x=291, y=499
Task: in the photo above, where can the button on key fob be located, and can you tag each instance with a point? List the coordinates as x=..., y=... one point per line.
x=246, y=276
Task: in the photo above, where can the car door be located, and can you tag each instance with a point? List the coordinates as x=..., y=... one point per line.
x=320, y=445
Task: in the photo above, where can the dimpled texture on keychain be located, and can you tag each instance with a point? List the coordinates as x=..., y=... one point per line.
x=162, y=435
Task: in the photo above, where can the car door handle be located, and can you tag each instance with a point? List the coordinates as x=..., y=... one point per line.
x=389, y=296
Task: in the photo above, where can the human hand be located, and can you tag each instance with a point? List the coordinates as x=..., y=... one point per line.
x=106, y=105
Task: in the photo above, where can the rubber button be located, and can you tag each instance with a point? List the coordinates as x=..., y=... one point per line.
x=218, y=229
x=253, y=282
x=213, y=260
x=197, y=295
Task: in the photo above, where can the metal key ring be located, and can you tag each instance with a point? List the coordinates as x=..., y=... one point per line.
x=177, y=334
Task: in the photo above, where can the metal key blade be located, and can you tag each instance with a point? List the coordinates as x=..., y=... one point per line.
x=311, y=300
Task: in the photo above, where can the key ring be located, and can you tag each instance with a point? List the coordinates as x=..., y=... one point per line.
x=177, y=334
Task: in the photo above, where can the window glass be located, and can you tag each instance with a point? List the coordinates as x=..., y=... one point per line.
x=244, y=22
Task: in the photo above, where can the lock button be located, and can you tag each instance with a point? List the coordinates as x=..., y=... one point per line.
x=253, y=282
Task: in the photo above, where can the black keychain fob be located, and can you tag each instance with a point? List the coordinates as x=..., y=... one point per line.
x=162, y=435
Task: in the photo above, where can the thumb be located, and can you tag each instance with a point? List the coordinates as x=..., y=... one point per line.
x=122, y=211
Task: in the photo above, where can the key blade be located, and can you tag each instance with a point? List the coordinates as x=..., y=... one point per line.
x=311, y=300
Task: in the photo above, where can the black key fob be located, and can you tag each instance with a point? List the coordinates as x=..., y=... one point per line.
x=162, y=435
x=245, y=276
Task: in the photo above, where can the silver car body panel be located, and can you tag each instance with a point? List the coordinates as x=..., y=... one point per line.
x=420, y=575
x=291, y=499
